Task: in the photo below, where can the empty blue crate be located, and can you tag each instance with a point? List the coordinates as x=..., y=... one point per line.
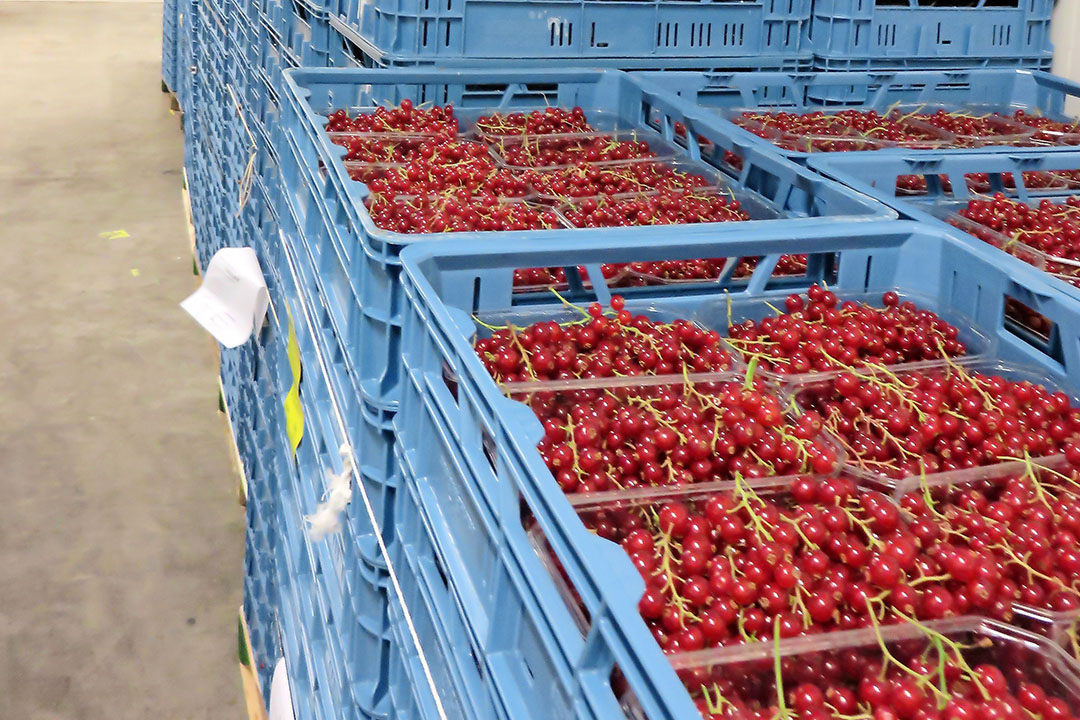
x=751, y=34
x=355, y=264
x=915, y=34
x=496, y=437
x=726, y=96
x=933, y=187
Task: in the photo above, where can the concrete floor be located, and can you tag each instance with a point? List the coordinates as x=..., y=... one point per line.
x=121, y=541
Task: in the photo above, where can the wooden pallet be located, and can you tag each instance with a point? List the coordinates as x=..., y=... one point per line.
x=185, y=198
x=174, y=104
x=253, y=696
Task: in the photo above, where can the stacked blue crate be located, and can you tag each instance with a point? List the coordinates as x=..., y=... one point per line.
x=462, y=618
x=170, y=44
x=751, y=34
x=474, y=499
x=916, y=34
x=347, y=276
x=186, y=24
x=945, y=186
x=726, y=95
x=325, y=601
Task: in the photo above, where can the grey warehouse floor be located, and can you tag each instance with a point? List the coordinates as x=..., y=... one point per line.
x=121, y=541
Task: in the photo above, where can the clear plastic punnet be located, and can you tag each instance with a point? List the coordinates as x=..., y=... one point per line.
x=621, y=433
x=915, y=425
x=979, y=126
x=1031, y=245
x=383, y=147
x=949, y=211
x=838, y=131
x=631, y=179
x=400, y=179
x=958, y=666
x=660, y=340
x=1061, y=628
x=552, y=152
x=625, y=517
x=510, y=124
x=725, y=313
x=427, y=213
x=707, y=205
x=1007, y=496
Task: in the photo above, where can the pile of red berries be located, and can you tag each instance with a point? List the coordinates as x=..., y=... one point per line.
x=600, y=345
x=678, y=433
x=405, y=118
x=635, y=178
x=561, y=151
x=902, y=424
x=433, y=214
x=1008, y=539
x=423, y=178
x=958, y=675
x=820, y=333
x=661, y=209
x=549, y=121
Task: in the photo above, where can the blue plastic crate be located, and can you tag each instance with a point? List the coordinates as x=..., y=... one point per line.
x=497, y=436
x=724, y=93
x=357, y=263
x=186, y=24
x=1005, y=173
x=170, y=41
x=304, y=33
x=340, y=597
x=751, y=34
x=477, y=567
x=908, y=35
x=350, y=578
x=410, y=691
x=261, y=597
x=369, y=426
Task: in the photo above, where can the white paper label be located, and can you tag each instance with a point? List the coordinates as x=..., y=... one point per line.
x=231, y=302
x=280, y=696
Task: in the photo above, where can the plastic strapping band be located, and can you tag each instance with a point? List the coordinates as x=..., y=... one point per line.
x=247, y=180
x=346, y=450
